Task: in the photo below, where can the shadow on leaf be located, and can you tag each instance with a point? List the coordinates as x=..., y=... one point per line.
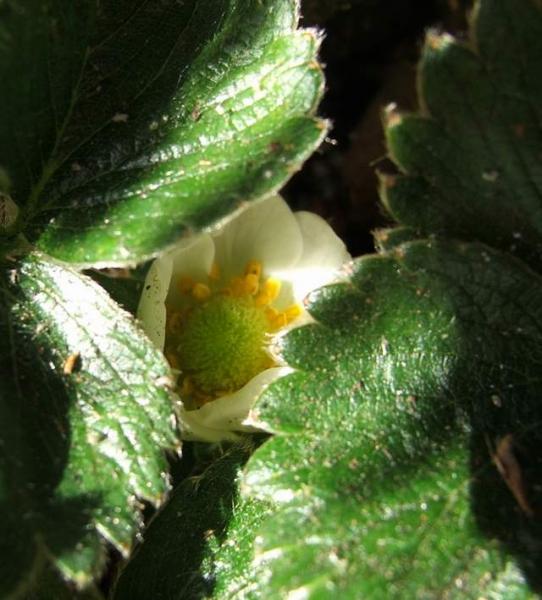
x=181, y=540
x=35, y=441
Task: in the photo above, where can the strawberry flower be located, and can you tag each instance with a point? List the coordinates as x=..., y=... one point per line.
x=216, y=301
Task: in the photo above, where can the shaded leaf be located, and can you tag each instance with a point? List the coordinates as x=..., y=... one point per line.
x=123, y=285
x=177, y=557
x=395, y=543
x=473, y=157
x=80, y=440
x=51, y=586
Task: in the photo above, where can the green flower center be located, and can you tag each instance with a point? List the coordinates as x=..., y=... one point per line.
x=222, y=344
x=216, y=336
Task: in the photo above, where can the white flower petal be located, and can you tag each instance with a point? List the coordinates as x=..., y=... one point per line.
x=266, y=231
x=192, y=430
x=217, y=420
x=192, y=257
x=323, y=255
x=286, y=296
x=151, y=311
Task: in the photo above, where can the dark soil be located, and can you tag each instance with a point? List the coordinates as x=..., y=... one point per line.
x=369, y=52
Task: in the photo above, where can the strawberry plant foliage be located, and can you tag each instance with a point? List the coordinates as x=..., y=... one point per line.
x=472, y=155
x=375, y=465
x=201, y=510
x=124, y=125
x=85, y=415
x=405, y=459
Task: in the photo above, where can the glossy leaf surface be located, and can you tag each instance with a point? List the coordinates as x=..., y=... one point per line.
x=406, y=456
x=381, y=471
x=85, y=417
x=129, y=124
x=383, y=454
x=178, y=556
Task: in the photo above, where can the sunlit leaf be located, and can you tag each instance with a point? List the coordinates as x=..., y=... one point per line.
x=85, y=417
x=128, y=124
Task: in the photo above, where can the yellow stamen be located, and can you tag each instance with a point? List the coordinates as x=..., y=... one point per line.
x=237, y=286
x=201, y=292
x=214, y=273
x=254, y=267
x=262, y=299
x=187, y=387
x=256, y=295
x=292, y=312
x=271, y=313
x=272, y=287
x=280, y=321
x=185, y=284
x=251, y=284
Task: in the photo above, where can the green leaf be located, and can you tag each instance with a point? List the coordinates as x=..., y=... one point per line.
x=387, y=239
x=85, y=415
x=127, y=125
x=51, y=586
x=395, y=543
x=472, y=158
x=381, y=462
x=177, y=557
x=406, y=458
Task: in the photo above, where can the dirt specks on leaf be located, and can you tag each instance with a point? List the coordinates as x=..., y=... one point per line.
x=507, y=464
x=72, y=362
